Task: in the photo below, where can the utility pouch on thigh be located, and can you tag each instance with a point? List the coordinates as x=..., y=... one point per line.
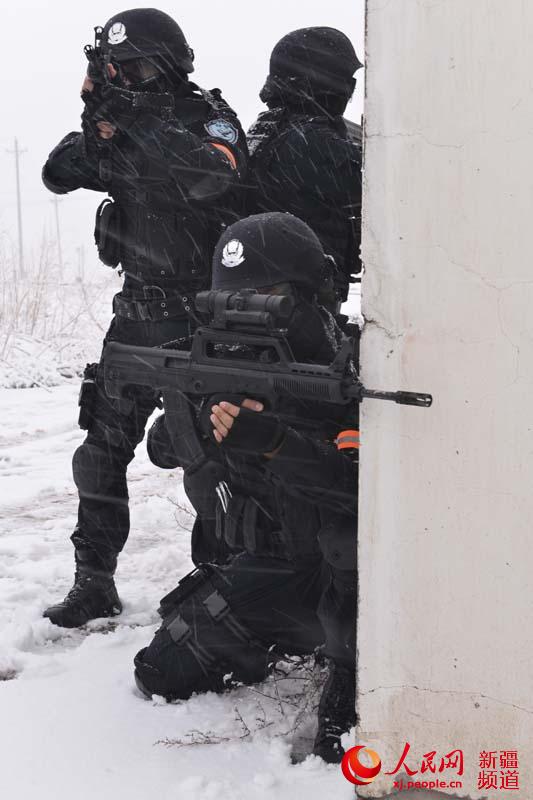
x=247, y=526
x=187, y=586
x=87, y=396
x=232, y=522
x=107, y=233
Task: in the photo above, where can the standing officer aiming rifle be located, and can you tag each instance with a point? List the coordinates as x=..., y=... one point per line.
x=168, y=155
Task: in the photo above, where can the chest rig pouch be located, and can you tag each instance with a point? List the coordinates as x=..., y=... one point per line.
x=107, y=233
x=243, y=523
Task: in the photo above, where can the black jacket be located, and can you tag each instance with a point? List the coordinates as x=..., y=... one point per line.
x=305, y=163
x=168, y=174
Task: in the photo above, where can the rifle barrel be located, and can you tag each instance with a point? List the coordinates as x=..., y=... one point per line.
x=403, y=398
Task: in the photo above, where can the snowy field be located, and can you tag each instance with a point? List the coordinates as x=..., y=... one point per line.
x=73, y=724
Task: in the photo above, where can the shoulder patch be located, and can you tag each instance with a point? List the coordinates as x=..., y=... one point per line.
x=222, y=129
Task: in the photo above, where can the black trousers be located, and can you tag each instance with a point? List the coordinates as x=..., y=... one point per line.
x=115, y=428
x=228, y=624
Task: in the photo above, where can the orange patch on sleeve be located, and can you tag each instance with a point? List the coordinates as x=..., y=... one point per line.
x=227, y=152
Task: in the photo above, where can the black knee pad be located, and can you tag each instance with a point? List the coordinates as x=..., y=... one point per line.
x=337, y=612
x=93, y=469
x=159, y=446
x=201, y=645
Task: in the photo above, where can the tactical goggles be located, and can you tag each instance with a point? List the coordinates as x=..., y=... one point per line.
x=137, y=71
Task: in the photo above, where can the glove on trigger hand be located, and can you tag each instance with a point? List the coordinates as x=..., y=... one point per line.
x=250, y=431
x=118, y=106
x=122, y=107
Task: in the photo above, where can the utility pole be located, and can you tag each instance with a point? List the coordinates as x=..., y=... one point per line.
x=81, y=262
x=56, y=201
x=17, y=153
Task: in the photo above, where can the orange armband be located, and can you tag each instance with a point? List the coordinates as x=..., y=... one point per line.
x=348, y=440
x=227, y=152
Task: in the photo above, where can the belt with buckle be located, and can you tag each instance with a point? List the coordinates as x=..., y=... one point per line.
x=151, y=310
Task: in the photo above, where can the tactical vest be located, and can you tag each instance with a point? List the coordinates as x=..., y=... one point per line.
x=337, y=226
x=161, y=238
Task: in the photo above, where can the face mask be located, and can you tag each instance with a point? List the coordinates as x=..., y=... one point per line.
x=307, y=334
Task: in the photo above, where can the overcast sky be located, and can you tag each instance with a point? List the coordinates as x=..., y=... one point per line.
x=42, y=65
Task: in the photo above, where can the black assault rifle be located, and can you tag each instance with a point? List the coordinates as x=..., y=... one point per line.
x=241, y=350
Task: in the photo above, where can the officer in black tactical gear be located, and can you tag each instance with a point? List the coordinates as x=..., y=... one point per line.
x=168, y=154
x=276, y=504
x=304, y=156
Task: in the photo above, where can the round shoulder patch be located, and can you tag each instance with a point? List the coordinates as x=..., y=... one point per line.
x=233, y=254
x=117, y=33
x=222, y=129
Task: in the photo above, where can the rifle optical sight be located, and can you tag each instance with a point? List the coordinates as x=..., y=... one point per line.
x=244, y=308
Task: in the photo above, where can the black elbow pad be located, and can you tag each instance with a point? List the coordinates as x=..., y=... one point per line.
x=49, y=183
x=58, y=154
x=159, y=446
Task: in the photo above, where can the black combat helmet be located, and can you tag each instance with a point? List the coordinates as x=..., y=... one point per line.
x=267, y=249
x=321, y=60
x=141, y=34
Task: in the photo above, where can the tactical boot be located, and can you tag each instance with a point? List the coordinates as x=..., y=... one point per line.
x=93, y=595
x=336, y=713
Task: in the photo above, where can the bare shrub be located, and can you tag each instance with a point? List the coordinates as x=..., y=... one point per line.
x=286, y=703
x=49, y=316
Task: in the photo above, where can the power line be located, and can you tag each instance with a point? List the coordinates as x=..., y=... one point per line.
x=81, y=262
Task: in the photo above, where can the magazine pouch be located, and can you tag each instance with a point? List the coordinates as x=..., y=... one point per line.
x=107, y=233
x=87, y=396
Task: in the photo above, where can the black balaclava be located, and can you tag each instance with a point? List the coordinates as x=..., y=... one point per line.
x=312, y=67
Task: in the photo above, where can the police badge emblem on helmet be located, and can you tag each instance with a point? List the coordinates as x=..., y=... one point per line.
x=117, y=33
x=232, y=255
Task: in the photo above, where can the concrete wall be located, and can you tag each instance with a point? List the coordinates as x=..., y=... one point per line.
x=446, y=524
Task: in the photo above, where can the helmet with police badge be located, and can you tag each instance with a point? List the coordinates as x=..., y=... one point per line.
x=268, y=249
x=139, y=37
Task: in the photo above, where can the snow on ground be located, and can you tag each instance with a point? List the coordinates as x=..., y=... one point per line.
x=72, y=723
x=31, y=361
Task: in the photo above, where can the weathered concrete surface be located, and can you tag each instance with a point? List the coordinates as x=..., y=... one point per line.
x=446, y=548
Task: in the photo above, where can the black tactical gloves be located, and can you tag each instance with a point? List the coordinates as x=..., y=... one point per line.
x=91, y=135
x=121, y=106
x=249, y=431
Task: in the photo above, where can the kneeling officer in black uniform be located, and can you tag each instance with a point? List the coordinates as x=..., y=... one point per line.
x=285, y=509
x=168, y=154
